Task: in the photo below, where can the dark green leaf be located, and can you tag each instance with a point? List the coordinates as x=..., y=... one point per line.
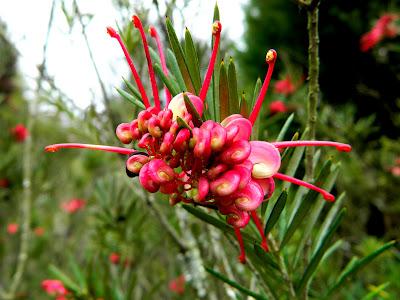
x=316, y=258
x=180, y=57
x=130, y=98
x=223, y=92
x=276, y=212
x=171, y=86
x=132, y=89
x=285, y=127
x=192, y=61
x=266, y=257
x=233, y=89
x=182, y=123
x=235, y=284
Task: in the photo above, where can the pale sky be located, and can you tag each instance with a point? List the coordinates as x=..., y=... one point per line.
x=68, y=60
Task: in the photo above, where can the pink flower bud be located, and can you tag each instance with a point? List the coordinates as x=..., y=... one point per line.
x=123, y=133
x=166, y=119
x=135, y=163
x=167, y=143
x=202, y=149
x=250, y=197
x=178, y=107
x=230, y=118
x=245, y=128
x=218, y=137
x=265, y=158
x=143, y=118
x=181, y=140
x=160, y=172
x=245, y=175
x=215, y=171
x=175, y=161
x=237, y=153
x=154, y=127
x=231, y=133
x=200, y=193
x=135, y=132
x=174, y=127
x=225, y=185
x=208, y=125
x=168, y=187
x=146, y=141
x=268, y=186
x=236, y=217
x=146, y=181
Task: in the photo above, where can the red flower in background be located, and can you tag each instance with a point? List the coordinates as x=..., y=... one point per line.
x=39, y=231
x=20, y=132
x=285, y=86
x=12, y=228
x=54, y=288
x=177, y=285
x=277, y=106
x=114, y=258
x=4, y=183
x=73, y=205
x=384, y=27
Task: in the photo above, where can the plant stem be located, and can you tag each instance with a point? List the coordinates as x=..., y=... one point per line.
x=313, y=87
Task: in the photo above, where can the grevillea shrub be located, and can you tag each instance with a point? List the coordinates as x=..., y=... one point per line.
x=199, y=161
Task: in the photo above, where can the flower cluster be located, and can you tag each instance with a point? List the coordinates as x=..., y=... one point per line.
x=19, y=132
x=55, y=288
x=199, y=161
x=383, y=28
x=73, y=205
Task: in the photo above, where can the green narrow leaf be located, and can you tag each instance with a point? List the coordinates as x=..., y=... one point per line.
x=376, y=291
x=256, y=126
x=182, y=123
x=171, y=86
x=316, y=258
x=266, y=257
x=257, y=88
x=132, y=89
x=295, y=137
x=78, y=275
x=223, y=92
x=217, y=223
x=305, y=206
x=180, y=57
x=174, y=69
x=197, y=120
x=130, y=98
x=192, y=61
x=358, y=264
x=67, y=281
x=234, y=284
x=233, y=89
x=276, y=212
x=285, y=127
x=244, y=106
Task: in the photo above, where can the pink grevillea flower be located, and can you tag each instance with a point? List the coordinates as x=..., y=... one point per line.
x=277, y=106
x=177, y=285
x=285, y=86
x=19, y=132
x=114, y=258
x=383, y=28
x=54, y=287
x=12, y=228
x=73, y=205
x=204, y=163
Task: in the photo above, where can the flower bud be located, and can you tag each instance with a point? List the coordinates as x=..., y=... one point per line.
x=202, y=149
x=166, y=119
x=268, y=186
x=181, y=140
x=231, y=133
x=123, y=133
x=154, y=127
x=135, y=132
x=178, y=107
x=175, y=161
x=135, y=163
x=208, y=125
x=250, y=197
x=200, y=193
x=245, y=128
x=237, y=153
x=160, y=172
x=236, y=217
x=230, y=118
x=146, y=181
x=265, y=158
x=225, y=185
x=218, y=137
x=245, y=175
x=143, y=118
x=167, y=143
x=215, y=171
x=174, y=127
x=146, y=141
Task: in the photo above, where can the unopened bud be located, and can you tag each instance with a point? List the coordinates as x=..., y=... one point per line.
x=160, y=172
x=237, y=153
x=146, y=180
x=250, y=197
x=135, y=163
x=181, y=140
x=226, y=185
x=153, y=127
x=123, y=133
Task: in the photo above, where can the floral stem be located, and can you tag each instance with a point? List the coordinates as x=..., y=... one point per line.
x=313, y=87
x=120, y=150
x=339, y=146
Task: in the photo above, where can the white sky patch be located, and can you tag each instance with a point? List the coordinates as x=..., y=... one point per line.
x=67, y=56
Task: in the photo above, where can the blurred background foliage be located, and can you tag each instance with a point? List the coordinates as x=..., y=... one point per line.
x=119, y=243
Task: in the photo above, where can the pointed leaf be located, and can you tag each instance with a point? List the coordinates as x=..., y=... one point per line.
x=316, y=258
x=132, y=89
x=180, y=57
x=223, y=92
x=174, y=69
x=266, y=257
x=276, y=212
x=182, y=123
x=233, y=89
x=171, y=86
x=192, y=61
x=285, y=127
x=244, y=105
x=197, y=120
x=234, y=284
x=130, y=98
x=66, y=280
